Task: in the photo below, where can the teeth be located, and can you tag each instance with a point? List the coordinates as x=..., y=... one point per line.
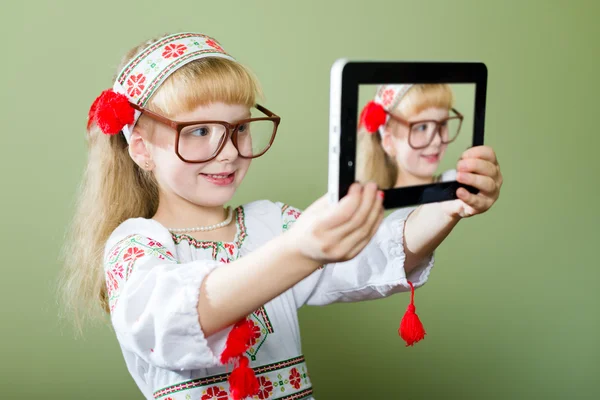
x=218, y=176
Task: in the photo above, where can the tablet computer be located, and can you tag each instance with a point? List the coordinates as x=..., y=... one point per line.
x=404, y=125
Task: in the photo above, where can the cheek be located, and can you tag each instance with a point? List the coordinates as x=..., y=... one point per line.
x=243, y=166
x=406, y=155
x=171, y=170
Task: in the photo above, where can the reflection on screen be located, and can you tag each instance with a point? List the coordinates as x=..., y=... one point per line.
x=412, y=134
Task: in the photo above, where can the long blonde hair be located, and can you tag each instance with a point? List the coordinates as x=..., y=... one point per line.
x=372, y=162
x=115, y=189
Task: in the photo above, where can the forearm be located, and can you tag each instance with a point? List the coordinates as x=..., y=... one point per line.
x=425, y=229
x=234, y=290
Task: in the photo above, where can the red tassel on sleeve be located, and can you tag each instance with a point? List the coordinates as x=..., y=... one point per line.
x=242, y=380
x=238, y=341
x=411, y=328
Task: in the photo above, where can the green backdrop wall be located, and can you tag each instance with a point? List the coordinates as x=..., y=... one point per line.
x=512, y=306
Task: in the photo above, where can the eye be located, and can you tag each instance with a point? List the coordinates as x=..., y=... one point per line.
x=200, y=131
x=242, y=128
x=420, y=127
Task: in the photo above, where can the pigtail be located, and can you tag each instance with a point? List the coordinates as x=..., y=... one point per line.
x=372, y=162
x=113, y=189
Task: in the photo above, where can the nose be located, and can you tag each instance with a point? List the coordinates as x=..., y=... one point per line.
x=437, y=137
x=229, y=152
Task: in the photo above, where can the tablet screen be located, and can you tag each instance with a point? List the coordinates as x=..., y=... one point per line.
x=412, y=134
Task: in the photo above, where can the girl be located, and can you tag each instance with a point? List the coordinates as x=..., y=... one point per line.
x=203, y=299
x=403, y=135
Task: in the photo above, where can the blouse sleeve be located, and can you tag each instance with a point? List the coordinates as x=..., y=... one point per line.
x=153, y=298
x=377, y=272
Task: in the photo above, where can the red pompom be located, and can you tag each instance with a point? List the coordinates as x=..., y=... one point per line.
x=242, y=381
x=111, y=111
x=411, y=329
x=238, y=340
x=373, y=116
x=92, y=112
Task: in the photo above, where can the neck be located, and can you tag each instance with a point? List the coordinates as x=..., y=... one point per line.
x=405, y=179
x=179, y=213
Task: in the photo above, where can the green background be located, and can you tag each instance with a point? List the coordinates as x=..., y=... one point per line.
x=464, y=102
x=512, y=306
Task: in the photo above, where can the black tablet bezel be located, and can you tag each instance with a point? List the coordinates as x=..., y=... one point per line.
x=356, y=73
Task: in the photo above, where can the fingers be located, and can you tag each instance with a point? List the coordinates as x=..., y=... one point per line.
x=376, y=216
x=356, y=236
x=368, y=206
x=481, y=174
x=477, y=201
x=344, y=229
x=343, y=211
x=481, y=152
x=484, y=183
x=477, y=166
x=358, y=247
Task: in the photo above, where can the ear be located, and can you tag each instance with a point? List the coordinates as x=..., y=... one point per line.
x=138, y=149
x=387, y=142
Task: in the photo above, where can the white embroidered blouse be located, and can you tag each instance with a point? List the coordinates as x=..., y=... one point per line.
x=153, y=279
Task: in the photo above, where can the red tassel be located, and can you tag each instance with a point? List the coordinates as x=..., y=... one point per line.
x=242, y=381
x=111, y=111
x=238, y=341
x=373, y=116
x=411, y=329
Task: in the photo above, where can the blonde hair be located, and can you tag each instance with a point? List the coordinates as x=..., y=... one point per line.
x=372, y=162
x=115, y=189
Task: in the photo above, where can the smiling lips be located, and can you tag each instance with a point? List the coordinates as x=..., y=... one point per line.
x=431, y=158
x=222, y=179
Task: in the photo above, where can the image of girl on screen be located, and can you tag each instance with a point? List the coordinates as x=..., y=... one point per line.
x=403, y=135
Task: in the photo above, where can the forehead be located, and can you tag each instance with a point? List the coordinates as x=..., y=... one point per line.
x=435, y=113
x=215, y=111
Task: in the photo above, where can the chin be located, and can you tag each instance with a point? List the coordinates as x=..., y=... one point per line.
x=210, y=196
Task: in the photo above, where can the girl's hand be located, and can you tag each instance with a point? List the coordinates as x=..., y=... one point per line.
x=478, y=167
x=328, y=233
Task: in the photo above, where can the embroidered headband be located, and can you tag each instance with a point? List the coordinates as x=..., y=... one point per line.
x=143, y=75
x=375, y=113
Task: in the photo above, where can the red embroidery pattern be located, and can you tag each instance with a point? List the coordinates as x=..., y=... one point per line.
x=388, y=96
x=199, y=244
x=214, y=392
x=289, y=215
x=266, y=387
x=136, y=61
x=222, y=251
x=273, y=381
x=294, y=213
x=295, y=379
x=229, y=247
x=136, y=85
x=174, y=50
x=262, y=313
x=214, y=44
x=159, y=79
x=124, y=256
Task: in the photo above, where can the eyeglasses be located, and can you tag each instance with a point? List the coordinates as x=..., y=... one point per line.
x=421, y=133
x=202, y=141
